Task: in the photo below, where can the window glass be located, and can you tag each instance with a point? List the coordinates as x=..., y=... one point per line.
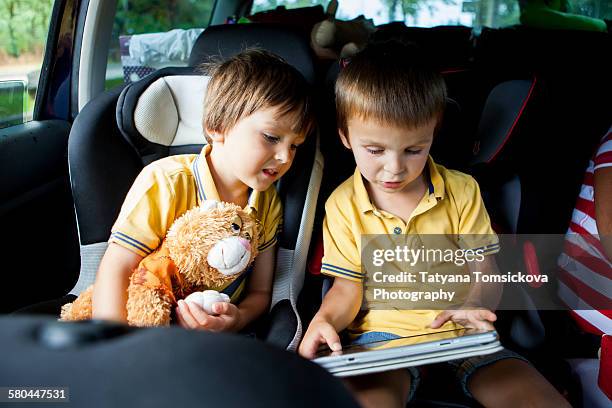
x=431, y=13
x=151, y=34
x=24, y=25
x=591, y=8
x=263, y=5
x=416, y=13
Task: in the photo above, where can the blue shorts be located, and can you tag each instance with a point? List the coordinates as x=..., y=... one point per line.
x=463, y=368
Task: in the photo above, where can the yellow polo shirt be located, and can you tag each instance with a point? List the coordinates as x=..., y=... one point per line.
x=451, y=205
x=167, y=188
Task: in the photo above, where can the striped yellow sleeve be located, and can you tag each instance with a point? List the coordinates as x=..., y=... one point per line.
x=341, y=257
x=146, y=214
x=475, y=228
x=272, y=219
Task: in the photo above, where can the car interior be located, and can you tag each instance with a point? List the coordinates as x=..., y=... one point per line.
x=526, y=109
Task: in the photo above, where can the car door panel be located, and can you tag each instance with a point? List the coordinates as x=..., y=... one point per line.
x=39, y=239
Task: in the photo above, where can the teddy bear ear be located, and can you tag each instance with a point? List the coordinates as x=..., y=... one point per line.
x=209, y=204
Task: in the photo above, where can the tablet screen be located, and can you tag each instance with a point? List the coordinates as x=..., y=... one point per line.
x=324, y=351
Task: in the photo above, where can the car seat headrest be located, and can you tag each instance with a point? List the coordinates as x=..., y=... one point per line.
x=163, y=110
x=228, y=40
x=501, y=114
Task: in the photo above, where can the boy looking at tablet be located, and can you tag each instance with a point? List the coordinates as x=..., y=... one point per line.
x=388, y=106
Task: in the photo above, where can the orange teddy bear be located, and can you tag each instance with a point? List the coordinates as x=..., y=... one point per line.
x=208, y=247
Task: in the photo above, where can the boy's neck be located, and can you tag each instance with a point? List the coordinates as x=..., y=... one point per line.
x=402, y=203
x=230, y=188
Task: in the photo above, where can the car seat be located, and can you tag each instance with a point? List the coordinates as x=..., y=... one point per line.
x=121, y=131
x=103, y=364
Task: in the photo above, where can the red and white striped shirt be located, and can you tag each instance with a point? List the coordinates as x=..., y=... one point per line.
x=585, y=276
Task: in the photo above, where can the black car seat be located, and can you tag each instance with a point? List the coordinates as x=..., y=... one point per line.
x=228, y=40
x=573, y=110
x=102, y=364
x=507, y=136
x=446, y=47
x=500, y=134
x=119, y=132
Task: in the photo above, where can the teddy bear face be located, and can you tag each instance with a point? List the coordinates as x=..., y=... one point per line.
x=212, y=243
x=232, y=254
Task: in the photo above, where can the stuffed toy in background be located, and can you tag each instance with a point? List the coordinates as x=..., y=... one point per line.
x=332, y=38
x=205, y=249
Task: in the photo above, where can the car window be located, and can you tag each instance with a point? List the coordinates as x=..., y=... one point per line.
x=591, y=8
x=149, y=35
x=431, y=13
x=24, y=25
x=418, y=13
x=263, y=5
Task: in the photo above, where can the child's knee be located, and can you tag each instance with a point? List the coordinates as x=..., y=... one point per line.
x=515, y=381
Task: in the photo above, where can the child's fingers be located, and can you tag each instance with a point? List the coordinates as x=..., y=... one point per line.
x=230, y=315
x=317, y=334
x=479, y=319
x=199, y=315
x=311, y=343
x=225, y=308
x=214, y=323
x=179, y=318
x=309, y=346
x=440, y=319
x=329, y=335
x=186, y=316
x=478, y=324
x=487, y=315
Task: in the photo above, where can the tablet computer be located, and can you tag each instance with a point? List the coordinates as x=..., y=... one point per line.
x=408, y=351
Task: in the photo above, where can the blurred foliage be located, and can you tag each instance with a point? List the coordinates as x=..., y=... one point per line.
x=262, y=5
x=151, y=16
x=592, y=8
x=24, y=25
x=410, y=8
x=496, y=13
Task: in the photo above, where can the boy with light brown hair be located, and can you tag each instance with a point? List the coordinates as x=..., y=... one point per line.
x=389, y=104
x=257, y=111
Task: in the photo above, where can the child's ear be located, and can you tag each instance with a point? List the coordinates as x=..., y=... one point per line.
x=216, y=137
x=345, y=140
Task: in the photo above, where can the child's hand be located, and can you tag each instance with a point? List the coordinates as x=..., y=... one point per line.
x=192, y=316
x=319, y=332
x=480, y=319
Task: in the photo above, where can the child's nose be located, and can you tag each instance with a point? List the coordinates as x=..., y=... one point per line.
x=394, y=165
x=282, y=155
